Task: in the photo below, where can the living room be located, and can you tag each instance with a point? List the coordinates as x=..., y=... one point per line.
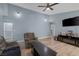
x=17, y=19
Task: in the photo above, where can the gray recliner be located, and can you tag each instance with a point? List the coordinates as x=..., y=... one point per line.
x=28, y=38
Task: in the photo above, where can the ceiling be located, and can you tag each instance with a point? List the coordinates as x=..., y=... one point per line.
x=59, y=8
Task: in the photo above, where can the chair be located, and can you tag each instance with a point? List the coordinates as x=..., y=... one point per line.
x=29, y=37
x=9, y=48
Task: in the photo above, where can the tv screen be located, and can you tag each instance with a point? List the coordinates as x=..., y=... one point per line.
x=71, y=21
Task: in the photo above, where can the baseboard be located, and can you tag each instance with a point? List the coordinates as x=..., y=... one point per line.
x=44, y=37
x=20, y=41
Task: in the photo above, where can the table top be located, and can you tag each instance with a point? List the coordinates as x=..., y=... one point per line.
x=64, y=36
x=42, y=49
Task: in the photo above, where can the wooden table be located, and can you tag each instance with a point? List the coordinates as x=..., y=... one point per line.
x=40, y=49
x=69, y=39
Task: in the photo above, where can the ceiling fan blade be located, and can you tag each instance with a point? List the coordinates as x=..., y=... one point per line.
x=51, y=8
x=47, y=4
x=54, y=4
x=44, y=9
x=41, y=6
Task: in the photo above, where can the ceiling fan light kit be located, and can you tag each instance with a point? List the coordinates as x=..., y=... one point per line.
x=48, y=9
x=48, y=6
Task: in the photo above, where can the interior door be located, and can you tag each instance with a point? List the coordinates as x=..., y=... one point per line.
x=8, y=31
x=52, y=30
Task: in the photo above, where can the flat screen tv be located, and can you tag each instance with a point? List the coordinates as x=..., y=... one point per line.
x=71, y=21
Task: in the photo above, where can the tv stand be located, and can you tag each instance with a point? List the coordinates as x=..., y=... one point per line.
x=69, y=39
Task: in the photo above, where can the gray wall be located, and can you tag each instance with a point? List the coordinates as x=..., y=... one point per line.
x=30, y=21
x=3, y=12
x=57, y=19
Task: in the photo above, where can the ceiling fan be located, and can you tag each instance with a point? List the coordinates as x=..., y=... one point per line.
x=48, y=6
